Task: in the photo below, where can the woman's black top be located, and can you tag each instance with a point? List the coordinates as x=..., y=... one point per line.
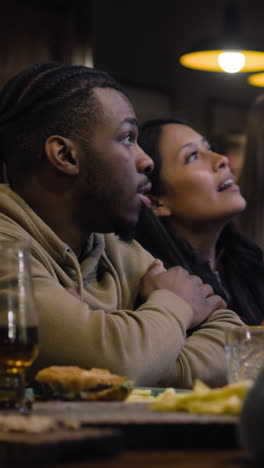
x=240, y=279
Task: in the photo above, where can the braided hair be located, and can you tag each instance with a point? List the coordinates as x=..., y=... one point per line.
x=45, y=99
x=241, y=259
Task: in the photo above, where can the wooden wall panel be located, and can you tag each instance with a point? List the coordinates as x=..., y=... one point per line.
x=32, y=31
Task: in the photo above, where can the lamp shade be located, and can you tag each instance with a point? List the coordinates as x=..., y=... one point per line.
x=257, y=79
x=208, y=60
x=228, y=52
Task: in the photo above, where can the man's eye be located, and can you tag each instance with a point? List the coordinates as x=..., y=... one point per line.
x=191, y=157
x=129, y=138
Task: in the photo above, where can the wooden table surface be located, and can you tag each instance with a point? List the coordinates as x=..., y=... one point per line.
x=168, y=459
x=145, y=429
x=160, y=440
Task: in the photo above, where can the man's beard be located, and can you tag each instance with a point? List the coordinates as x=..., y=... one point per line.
x=124, y=230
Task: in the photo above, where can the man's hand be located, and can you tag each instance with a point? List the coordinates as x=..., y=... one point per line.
x=189, y=287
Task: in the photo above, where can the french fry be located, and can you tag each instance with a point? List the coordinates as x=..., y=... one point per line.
x=203, y=399
x=140, y=395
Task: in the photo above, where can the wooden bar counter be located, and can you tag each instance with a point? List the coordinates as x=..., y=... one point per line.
x=168, y=459
x=129, y=435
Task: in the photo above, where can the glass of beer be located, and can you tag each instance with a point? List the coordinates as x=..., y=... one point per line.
x=18, y=322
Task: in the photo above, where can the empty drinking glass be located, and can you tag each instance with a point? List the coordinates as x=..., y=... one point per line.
x=244, y=349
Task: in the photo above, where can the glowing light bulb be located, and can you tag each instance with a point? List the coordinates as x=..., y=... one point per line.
x=231, y=62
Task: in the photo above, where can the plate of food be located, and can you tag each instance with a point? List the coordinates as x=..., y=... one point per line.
x=146, y=425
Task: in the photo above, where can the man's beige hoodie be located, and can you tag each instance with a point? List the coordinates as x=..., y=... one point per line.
x=151, y=344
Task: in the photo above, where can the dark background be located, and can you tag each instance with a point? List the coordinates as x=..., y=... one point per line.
x=140, y=43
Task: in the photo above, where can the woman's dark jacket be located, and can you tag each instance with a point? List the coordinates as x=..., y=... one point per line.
x=242, y=267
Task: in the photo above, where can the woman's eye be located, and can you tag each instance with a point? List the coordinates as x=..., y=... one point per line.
x=191, y=157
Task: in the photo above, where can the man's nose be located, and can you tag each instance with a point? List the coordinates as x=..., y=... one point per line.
x=144, y=163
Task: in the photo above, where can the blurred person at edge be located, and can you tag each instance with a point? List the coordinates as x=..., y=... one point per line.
x=251, y=220
x=77, y=180
x=194, y=200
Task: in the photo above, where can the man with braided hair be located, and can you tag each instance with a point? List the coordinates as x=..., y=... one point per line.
x=76, y=182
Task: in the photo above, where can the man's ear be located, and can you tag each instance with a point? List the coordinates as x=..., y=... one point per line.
x=159, y=207
x=61, y=153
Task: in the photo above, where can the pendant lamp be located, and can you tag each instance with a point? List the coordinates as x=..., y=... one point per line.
x=257, y=79
x=228, y=53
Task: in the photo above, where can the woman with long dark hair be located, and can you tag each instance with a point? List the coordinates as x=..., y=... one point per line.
x=194, y=200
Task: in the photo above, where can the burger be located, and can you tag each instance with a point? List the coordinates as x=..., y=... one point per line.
x=74, y=383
